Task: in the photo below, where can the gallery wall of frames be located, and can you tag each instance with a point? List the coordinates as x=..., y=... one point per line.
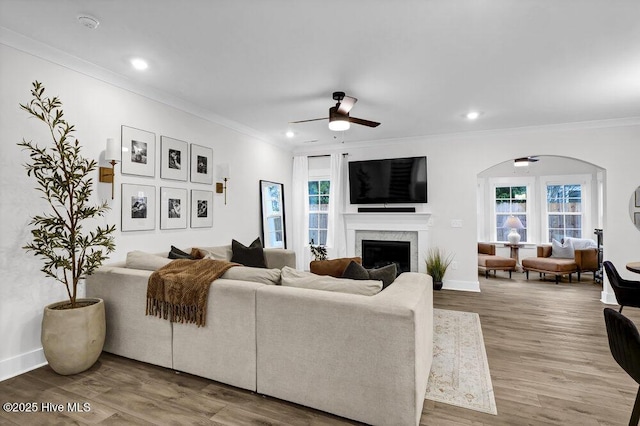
x=187, y=198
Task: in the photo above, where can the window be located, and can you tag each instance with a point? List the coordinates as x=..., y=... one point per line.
x=510, y=200
x=318, y=211
x=564, y=211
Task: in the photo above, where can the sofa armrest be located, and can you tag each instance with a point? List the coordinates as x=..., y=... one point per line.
x=544, y=251
x=587, y=259
x=366, y=358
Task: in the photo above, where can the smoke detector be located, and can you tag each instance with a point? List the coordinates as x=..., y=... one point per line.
x=88, y=21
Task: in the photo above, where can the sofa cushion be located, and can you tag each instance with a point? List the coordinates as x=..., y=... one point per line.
x=332, y=267
x=387, y=274
x=486, y=248
x=294, y=278
x=489, y=261
x=148, y=261
x=256, y=275
x=562, y=251
x=552, y=265
x=248, y=256
x=176, y=253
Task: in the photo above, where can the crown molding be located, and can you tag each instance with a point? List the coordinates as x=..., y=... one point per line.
x=446, y=137
x=51, y=54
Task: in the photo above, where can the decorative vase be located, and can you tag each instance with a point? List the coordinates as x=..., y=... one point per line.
x=72, y=339
x=437, y=285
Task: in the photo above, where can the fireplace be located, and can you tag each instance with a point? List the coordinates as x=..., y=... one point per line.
x=378, y=253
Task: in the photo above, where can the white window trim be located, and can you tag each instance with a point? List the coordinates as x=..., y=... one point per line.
x=530, y=183
x=585, y=181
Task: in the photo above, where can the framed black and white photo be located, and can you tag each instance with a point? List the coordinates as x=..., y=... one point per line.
x=201, y=209
x=138, y=207
x=201, y=164
x=138, y=152
x=173, y=208
x=173, y=159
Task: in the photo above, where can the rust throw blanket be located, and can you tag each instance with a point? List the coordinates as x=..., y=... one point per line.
x=179, y=290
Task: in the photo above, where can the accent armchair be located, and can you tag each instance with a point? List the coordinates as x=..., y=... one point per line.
x=627, y=291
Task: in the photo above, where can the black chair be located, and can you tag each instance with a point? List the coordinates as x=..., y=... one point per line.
x=627, y=292
x=624, y=342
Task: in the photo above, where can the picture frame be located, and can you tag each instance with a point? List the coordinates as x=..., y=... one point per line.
x=201, y=164
x=637, y=201
x=173, y=159
x=201, y=209
x=636, y=219
x=138, y=207
x=274, y=233
x=138, y=152
x=173, y=208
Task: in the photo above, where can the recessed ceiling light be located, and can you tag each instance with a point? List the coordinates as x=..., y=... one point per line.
x=139, y=64
x=472, y=115
x=290, y=134
x=88, y=21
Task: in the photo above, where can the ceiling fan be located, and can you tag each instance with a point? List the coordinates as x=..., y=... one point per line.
x=524, y=161
x=339, y=114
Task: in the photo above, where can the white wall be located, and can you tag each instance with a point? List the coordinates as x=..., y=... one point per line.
x=98, y=110
x=454, y=162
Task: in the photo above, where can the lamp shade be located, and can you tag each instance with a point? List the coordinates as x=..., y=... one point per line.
x=513, y=222
x=113, y=150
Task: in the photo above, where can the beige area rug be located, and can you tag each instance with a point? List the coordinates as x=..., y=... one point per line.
x=460, y=371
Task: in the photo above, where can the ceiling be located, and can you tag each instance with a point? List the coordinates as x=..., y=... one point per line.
x=416, y=66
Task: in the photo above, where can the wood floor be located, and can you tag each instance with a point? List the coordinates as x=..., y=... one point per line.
x=546, y=344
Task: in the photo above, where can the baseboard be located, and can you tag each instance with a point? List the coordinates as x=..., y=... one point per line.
x=22, y=363
x=608, y=298
x=461, y=285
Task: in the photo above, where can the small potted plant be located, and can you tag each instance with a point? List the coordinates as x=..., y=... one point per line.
x=73, y=331
x=437, y=263
x=318, y=252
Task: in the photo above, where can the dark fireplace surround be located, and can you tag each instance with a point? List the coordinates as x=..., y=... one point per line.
x=379, y=253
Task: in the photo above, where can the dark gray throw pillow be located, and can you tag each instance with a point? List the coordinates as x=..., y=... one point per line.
x=248, y=256
x=386, y=274
x=176, y=253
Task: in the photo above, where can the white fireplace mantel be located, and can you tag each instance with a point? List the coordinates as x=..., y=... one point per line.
x=394, y=222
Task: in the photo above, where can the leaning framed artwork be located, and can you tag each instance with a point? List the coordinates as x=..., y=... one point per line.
x=173, y=159
x=173, y=208
x=138, y=207
x=138, y=152
x=201, y=164
x=201, y=209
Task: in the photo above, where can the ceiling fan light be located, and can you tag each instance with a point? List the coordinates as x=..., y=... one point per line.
x=520, y=162
x=339, y=125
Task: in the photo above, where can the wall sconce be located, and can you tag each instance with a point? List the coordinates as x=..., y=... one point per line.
x=113, y=156
x=222, y=173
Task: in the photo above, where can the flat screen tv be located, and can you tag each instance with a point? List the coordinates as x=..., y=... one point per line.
x=388, y=181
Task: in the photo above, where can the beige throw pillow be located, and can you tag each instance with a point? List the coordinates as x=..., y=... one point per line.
x=294, y=278
x=148, y=261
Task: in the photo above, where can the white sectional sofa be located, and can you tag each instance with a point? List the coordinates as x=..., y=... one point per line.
x=366, y=358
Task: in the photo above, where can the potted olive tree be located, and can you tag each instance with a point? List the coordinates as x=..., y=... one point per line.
x=73, y=331
x=437, y=263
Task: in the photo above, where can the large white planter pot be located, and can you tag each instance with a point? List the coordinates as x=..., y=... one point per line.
x=72, y=339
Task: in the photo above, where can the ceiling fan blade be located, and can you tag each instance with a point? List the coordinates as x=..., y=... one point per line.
x=306, y=121
x=346, y=104
x=363, y=122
